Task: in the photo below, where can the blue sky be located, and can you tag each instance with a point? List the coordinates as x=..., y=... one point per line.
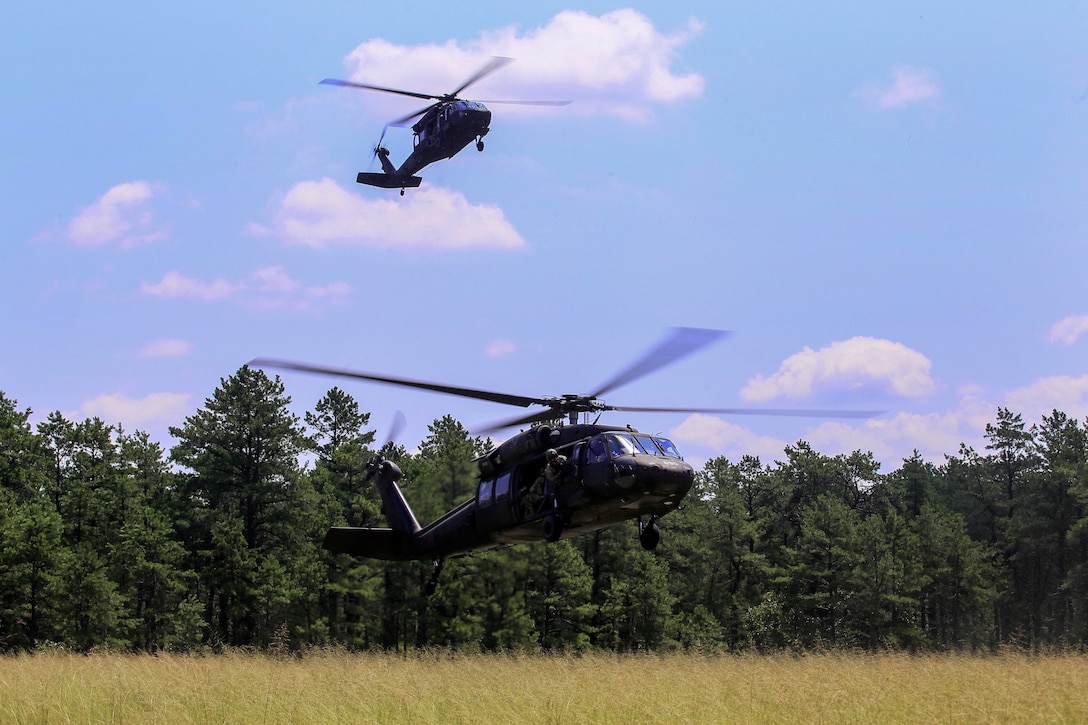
x=885, y=206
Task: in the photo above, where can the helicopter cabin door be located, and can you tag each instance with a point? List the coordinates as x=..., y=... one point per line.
x=596, y=465
x=494, y=504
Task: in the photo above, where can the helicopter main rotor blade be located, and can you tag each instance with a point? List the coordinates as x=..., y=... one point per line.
x=781, y=412
x=529, y=103
x=367, y=86
x=492, y=65
x=682, y=342
x=504, y=398
x=403, y=120
x=537, y=417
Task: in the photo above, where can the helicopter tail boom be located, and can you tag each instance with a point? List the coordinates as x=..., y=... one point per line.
x=391, y=544
x=388, y=181
x=384, y=544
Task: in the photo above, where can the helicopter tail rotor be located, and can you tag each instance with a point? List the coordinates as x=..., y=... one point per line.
x=379, y=151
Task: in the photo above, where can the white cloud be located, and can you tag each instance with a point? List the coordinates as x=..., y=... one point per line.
x=500, y=348
x=1068, y=331
x=274, y=279
x=322, y=214
x=268, y=288
x=895, y=436
x=909, y=85
x=890, y=440
x=118, y=216
x=176, y=285
x=617, y=63
x=1060, y=392
x=166, y=348
x=722, y=438
x=156, y=408
x=847, y=365
x=336, y=290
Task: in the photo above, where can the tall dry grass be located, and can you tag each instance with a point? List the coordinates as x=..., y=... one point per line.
x=444, y=688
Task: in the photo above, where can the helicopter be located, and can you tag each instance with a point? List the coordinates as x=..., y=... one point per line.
x=548, y=482
x=447, y=126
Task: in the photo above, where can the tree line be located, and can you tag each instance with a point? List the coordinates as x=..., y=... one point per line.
x=109, y=541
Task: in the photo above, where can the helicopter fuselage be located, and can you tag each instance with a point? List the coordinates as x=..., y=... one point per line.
x=609, y=475
x=441, y=133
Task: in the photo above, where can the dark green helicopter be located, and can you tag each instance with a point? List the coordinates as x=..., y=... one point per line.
x=447, y=126
x=545, y=482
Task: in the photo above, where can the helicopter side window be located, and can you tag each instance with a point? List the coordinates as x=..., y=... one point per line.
x=596, y=452
x=502, y=486
x=577, y=455
x=667, y=446
x=486, y=490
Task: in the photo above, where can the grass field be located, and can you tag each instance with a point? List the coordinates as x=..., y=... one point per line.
x=444, y=688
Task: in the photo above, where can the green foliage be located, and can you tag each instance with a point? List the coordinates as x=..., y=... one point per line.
x=104, y=543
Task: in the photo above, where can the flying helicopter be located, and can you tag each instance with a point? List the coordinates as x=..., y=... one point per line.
x=547, y=482
x=445, y=127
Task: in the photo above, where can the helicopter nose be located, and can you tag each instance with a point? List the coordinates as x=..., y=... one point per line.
x=673, y=476
x=652, y=475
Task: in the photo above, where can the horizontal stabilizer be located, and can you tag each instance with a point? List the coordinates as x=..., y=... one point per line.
x=388, y=181
x=373, y=543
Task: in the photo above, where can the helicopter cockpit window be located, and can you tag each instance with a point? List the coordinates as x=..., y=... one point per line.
x=622, y=445
x=667, y=446
x=648, y=445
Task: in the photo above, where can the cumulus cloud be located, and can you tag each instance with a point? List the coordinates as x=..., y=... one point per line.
x=848, y=365
x=890, y=440
x=1068, y=331
x=176, y=285
x=1059, y=392
x=267, y=287
x=322, y=214
x=895, y=436
x=120, y=216
x=166, y=348
x=617, y=63
x=722, y=438
x=153, y=409
x=908, y=86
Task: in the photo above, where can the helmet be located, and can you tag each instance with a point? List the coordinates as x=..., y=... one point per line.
x=551, y=454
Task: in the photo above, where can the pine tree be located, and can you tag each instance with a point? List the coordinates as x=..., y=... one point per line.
x=249, y=507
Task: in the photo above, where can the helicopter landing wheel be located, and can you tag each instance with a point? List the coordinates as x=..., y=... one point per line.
x=402, y=192
x=649, y=535
x=553, y=527
x=480, y=145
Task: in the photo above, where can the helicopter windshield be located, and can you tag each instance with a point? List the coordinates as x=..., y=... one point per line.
x=622, y=444
x=667, y=447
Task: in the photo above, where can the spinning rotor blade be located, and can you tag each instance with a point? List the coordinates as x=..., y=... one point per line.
x=518, y=400
x=780, y=412
x=403, y=120
x=377, y=147
x=683, y=342
x=537, y=417
x=492, y=65
x=367, y=86
x=395, y=429
x=530, y=103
